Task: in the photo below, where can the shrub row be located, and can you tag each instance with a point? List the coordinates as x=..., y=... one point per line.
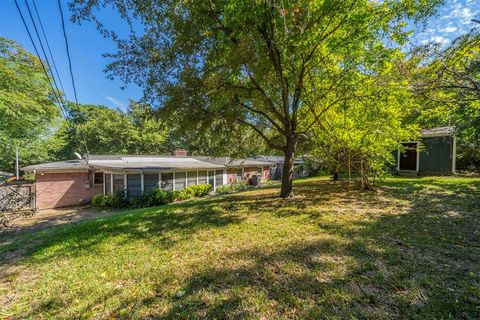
x=232, y=187
x=149, y=199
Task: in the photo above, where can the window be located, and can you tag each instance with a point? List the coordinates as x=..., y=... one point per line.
x=202, y=177
x=211, y=178
x=108, y=183
x=219, y=178
x=167, y=181
x=150, y=182
x=191, y=178
x=97, y=178
x=118, y=183
x=134, y=185
x=239, y=174
x=180, y=180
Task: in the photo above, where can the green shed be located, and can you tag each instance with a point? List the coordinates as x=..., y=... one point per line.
x=433, y=154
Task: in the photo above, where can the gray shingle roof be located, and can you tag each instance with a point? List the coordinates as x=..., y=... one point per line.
x=148, y=162
x=229, y=162
x=58, y=165
x=438, y=132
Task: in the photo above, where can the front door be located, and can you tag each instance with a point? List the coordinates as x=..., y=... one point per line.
x=408, y=158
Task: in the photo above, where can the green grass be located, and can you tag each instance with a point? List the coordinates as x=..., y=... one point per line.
x=409, y=250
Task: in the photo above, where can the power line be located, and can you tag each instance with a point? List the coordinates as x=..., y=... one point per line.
x=71, y=71
x=43, y=49
x=48, y=46
x=68, y=52
x=59, y=101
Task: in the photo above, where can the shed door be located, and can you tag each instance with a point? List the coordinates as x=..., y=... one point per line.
x=408, y=158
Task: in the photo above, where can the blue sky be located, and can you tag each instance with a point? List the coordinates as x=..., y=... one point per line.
x=87, y=45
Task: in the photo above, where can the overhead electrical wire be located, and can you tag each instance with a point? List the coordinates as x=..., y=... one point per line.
x=44, y=53
x=68, y=52
x=59, y=101
x=50, y=77
x=48, y=45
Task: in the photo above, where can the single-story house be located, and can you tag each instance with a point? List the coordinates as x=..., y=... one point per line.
x=433, y=153
x=300, y=167
x=73, y=182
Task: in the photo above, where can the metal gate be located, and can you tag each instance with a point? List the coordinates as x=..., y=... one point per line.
x=16, y=200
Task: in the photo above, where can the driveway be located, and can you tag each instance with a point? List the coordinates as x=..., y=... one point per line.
x=52, y=217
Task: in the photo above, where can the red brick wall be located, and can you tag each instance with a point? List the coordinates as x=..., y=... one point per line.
x=231, y=175
x=55, y=190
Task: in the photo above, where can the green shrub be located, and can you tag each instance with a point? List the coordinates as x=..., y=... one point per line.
x=97, y=200
x=232, y=187
x=224, y=189
x=162, y=197
x=200, y=190
x=149, y=199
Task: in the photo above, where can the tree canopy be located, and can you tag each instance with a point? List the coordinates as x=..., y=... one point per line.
x=266, y=65
x=27, y=111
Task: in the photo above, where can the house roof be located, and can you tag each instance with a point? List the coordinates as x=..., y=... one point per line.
x=152, y=163
x=437, y=132
x=140, y=162
x=277, y=159
x=230, y=162
x=58, y=165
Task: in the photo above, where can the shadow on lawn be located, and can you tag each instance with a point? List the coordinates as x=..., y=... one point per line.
x=423, y=262
x=417, y=259
x=154, y=224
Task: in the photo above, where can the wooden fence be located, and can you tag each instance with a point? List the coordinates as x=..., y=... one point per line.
x=16, y=200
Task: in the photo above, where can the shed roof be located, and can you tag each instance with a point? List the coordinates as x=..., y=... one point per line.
x=437, y=132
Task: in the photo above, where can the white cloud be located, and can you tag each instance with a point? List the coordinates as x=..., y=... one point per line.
x=116, y=102
x=439, y=39
x=449, y=29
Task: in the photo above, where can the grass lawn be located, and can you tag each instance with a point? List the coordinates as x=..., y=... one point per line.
x=409, y=250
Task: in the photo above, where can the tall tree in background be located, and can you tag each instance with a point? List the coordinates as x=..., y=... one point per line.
x=110, y=131
x=257, y=63
x=27, y=113
x=448, y=80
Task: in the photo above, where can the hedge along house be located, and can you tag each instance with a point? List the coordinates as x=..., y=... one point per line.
x=74, y=182
x=433, y=154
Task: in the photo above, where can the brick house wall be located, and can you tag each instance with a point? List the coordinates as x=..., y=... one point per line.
x=248, y=172
x=231, y=175
x=54, y=190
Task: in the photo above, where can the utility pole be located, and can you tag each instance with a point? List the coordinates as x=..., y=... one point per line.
x=16, y=162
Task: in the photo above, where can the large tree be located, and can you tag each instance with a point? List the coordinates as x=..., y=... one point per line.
x=261, y=64
x=27, y=111
x=101, y=130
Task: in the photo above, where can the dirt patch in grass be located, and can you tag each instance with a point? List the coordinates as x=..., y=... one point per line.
x=409, y=250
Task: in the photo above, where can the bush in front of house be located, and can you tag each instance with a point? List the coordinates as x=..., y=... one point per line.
x=192, y=191
x=116, y=200
x=149, y=199
x=232, y=187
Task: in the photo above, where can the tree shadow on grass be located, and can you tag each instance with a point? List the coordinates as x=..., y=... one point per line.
x=419, y=262
x=154, y=224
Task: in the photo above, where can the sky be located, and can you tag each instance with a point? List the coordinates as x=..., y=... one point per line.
x=87, y=45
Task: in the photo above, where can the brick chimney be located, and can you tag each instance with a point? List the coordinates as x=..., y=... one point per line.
x=180, y=153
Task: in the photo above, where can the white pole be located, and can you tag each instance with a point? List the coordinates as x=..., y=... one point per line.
x=16, y=162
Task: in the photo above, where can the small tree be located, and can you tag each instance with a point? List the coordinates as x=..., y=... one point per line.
x=361, y=134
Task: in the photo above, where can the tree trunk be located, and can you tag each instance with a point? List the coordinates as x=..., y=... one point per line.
x=287, y=175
